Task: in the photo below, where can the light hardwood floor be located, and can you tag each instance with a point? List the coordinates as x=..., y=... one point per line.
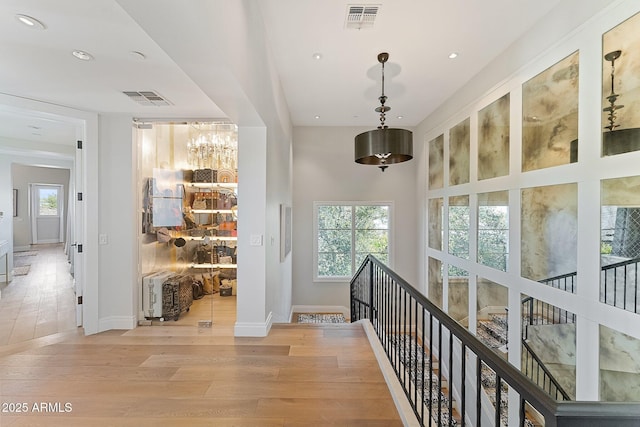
x=176, y=374
x=42, y=302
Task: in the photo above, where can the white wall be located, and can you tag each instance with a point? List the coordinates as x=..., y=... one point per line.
x=574, y=25
x=324, y=170
x=117, y=277
x=22, y=176
x=237, y=73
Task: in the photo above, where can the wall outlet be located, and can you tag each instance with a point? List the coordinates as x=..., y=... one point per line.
x=103, y=239
x=255, y=240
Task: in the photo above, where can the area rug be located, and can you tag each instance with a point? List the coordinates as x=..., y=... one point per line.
x=321, y=318
x=21, y=270
x=25, y=253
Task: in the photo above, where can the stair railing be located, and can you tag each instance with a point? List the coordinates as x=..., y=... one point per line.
x=619, y=284
x=536, y=312
x=536, y=370
x=395, y=309
x=616, y=289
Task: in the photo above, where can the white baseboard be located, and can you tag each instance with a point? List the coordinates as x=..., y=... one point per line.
x=21, y=248
x=320, y=309
x=253, y=329
x=117, y=322
x=397, y=392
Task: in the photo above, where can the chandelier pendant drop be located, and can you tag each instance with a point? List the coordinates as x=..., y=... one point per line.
x=613, y=97
x=383, y=146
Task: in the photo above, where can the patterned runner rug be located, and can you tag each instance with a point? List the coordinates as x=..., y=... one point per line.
x=24, y=253
x=321, y=318
x=21, y=270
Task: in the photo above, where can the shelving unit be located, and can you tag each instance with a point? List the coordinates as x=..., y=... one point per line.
x=209, y=193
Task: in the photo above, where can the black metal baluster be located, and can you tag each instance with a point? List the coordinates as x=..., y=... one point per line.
x=522, y=412
x=635, y=298
x=430, y=365
x=415, y=365
x=498, y=402
x=439, y=373
x=450, y=378
x=423, y=371
x=624, y=293
x=463, y=383
x=404, y=334
x=478, y=391
x=615, y=286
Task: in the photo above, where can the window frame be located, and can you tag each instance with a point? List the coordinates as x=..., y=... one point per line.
x=353, y=205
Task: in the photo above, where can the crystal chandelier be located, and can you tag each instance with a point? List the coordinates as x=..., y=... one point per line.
x=213, y=146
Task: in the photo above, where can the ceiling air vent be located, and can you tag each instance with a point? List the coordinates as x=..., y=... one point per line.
x=361, y=16
x=147, y=98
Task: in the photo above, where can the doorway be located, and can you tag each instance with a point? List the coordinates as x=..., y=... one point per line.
x=47, y=213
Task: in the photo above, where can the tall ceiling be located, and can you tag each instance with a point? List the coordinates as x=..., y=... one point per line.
x=339, y=89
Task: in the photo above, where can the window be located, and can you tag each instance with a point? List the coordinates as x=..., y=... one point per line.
x=345, y=233
x=48, y=202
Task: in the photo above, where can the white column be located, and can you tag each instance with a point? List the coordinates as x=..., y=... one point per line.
x=252, y=318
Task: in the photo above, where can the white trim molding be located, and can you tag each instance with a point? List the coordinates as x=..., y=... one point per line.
x=117, y=322
x=253, y=329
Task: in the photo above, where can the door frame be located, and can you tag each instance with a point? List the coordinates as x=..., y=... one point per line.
x=86, y=266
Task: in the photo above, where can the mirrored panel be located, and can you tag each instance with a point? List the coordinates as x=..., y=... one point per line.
x=435, y=281
x=435, y=223
x=491, y=306
x=620, y=242
x=550, y=116
x=458, y=299
x=549, y=235
x=621, y=88
x=459, y=226
x=493, y=139
x=619, y=366
x=549, y=347
x=436, y=163
x=459, y=153
x=493, y=229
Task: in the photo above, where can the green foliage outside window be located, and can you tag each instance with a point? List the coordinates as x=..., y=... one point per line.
x=493, y=236
x=48, y=202
x=347, y=234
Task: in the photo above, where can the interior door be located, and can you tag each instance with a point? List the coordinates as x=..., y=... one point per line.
x=47, y=213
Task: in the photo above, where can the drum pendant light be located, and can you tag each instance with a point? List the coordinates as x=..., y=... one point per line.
x=383, y=146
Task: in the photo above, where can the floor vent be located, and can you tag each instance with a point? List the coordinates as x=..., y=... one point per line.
x=147, y=98
x=360, y=16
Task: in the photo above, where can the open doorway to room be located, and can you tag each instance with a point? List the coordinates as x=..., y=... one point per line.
x=40, y=299
x=188, y=187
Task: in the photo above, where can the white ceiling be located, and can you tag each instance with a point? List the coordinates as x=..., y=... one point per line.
x=341, y=88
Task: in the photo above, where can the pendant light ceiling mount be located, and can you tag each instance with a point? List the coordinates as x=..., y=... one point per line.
x=383, y=146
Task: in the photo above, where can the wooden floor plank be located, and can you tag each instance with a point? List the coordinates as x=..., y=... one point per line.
x=174, y=374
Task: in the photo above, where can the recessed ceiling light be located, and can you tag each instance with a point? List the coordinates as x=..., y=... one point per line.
x=401, y=117
x=317, y=56
x=138, y=55
x=317, y=117
x=81, y=54
x=453, y=55
x=30, y=22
